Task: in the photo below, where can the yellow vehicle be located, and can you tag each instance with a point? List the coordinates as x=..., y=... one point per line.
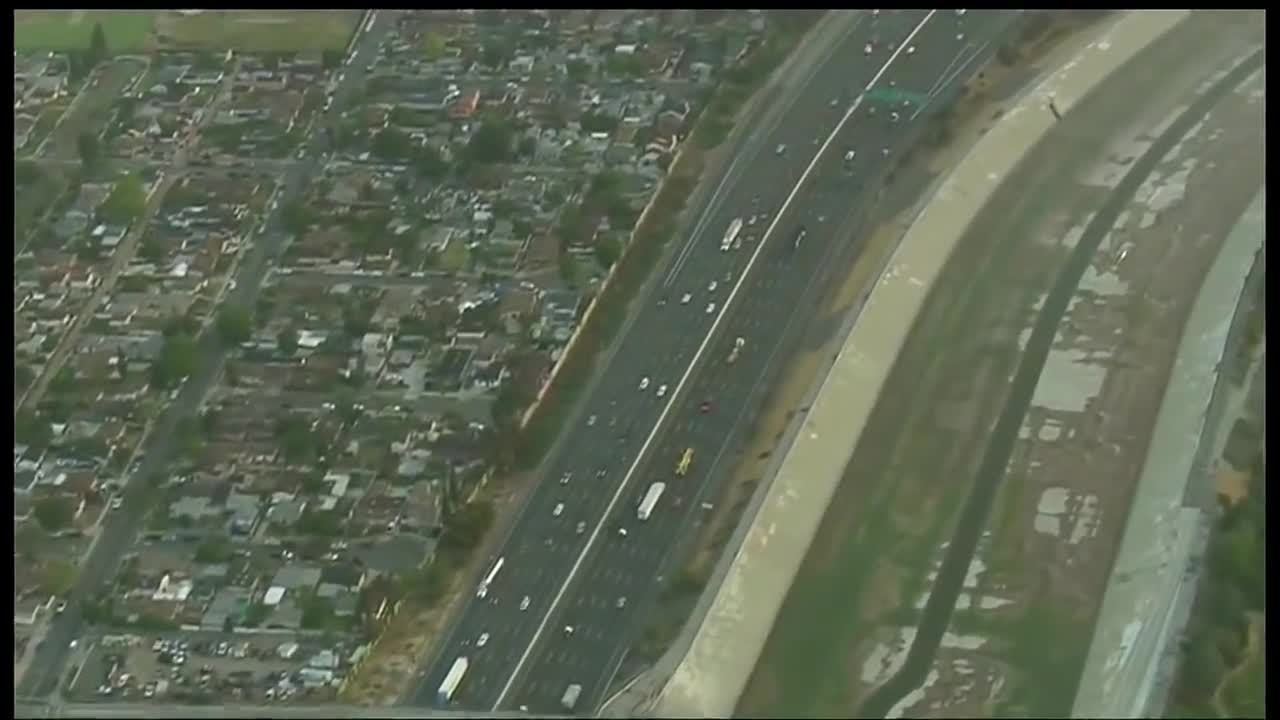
x=682, y=467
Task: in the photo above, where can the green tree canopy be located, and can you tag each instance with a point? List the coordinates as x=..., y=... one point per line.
x=176, y=361
x=97, y=44
x=30, y=428
x=87, y=145
x=491, y=143
x=54, y=513
x=287, y=340
x=392, y=144
x=235, y=323
x=607, y=251
x=126, y=202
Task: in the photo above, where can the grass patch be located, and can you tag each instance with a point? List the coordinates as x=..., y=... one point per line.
x=455, y=257
x=274, y=30
x=126, y=30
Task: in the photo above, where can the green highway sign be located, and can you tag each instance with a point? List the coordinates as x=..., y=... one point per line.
x=894, y=96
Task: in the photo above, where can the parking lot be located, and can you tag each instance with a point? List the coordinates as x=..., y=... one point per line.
x=207, y=668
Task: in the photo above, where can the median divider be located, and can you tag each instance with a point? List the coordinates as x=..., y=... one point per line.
x=723, y=653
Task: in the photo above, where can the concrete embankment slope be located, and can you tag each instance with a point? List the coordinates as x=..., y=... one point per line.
x=1149, y=595
x=722, y=655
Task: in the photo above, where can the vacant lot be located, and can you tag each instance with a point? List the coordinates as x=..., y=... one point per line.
x=279, y=30
x=125, y=30
x=141, y=31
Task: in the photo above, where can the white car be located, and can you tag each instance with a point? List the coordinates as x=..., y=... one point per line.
x=911, y=49
x=565, y=478
x=849, y=155
x=780, y=149
x=622, y=602
x=684, y=299
x=711, y=308
x=591, y=421
x=960, y=13
x=483, y=640
x=712, y=287
x=867, y=50
x=558, y=511
x=662, y=390
x=117, y=503
x=582, y=527
x=644, y=383
x=568, y=629
x=524, y=603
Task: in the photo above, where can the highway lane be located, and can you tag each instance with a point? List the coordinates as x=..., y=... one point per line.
x=775, y=302
x=120, y=528
x=542, y=547
x=543, y=543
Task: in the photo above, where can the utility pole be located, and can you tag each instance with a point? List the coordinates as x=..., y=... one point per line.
x=1053, y=108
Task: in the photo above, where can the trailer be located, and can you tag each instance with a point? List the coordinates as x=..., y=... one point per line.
x=650, y=499
x=452, y=680
x=483, y=590
x=731, y=235
x=570, y=697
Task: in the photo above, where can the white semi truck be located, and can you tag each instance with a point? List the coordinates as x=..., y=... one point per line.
x=452, y=679
x=650, y=500
x=731, y=235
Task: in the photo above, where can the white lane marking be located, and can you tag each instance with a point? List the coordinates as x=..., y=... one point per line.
x=678, y=265
x=657, y=426
x=938, y=88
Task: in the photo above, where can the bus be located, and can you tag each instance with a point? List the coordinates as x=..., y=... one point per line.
x=682, y=467
x=650, y=499
x=483, y=590
x=731, y=235
x=452, y=679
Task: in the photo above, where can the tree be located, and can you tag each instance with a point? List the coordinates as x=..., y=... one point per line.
x=26, y=172
x=391, y=144
x=467, y=526
x=287, y=340
x=296, y=441
x=430, y=163
x=316, y=613
x=53, y=513
x=235, y=324
x=331, y=59
x=126, y=202
x=97, y=45
x=578, y=70
x=491, y=143
x=296, y=217
x=607, y=252
x=598, y=122
x=87, y=144
x=568, y=269
x=32, y=429
x=216, y=549
x=176, y=361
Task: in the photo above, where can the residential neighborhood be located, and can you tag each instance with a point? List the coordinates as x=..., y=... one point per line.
x=478, y=186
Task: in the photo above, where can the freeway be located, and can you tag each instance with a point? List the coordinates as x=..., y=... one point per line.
x=599, y=582
x=219, y=712
x=119, y=530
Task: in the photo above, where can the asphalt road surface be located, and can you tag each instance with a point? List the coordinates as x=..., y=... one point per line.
x=599, y=582
x=120, y=528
